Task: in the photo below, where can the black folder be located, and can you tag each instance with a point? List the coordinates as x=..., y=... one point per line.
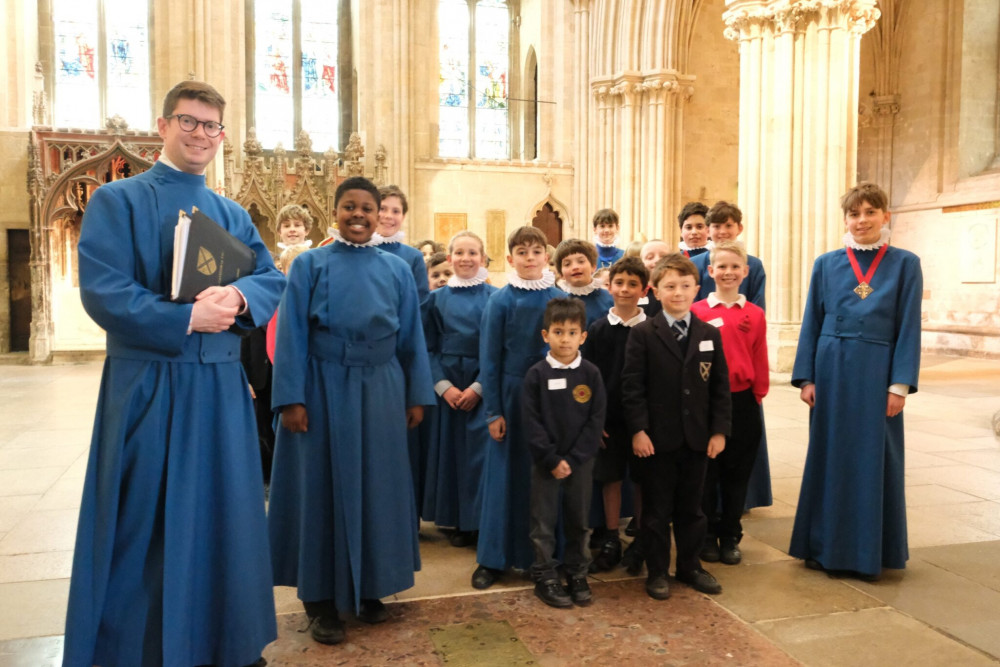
x=205, y=254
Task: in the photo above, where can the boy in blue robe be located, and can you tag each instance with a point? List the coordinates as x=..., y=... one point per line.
x=857, y=360
x=350, y=376
x=171, y=563
x=694, y=230
x=575, y=262
x=452, y=316
x=725, y=223
x=606, y=228
x=509, y=345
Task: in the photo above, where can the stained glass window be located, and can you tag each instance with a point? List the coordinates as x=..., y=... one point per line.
x=479, y=130
x=101, y=69
x=296, y=72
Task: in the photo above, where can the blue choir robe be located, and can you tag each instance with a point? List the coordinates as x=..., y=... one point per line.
x=171, y=565
x=350, y=347
x=753, y=288
x=418, y=439
x=510, y=343
x=452, y=316
x=852, y=511
x=598, y=303
x=608, y=255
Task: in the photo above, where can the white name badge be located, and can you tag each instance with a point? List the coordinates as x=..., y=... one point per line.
x=717, y=323
x=705, y=346
x=557, y=383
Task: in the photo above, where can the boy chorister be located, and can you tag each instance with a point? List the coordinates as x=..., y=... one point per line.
x=575, y=262
x=744, y=332
x=675, y=391
x=563, y=405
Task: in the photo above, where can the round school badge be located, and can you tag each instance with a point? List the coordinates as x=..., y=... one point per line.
x=582, y=393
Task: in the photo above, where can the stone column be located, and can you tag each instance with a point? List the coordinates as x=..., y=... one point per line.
x=798, y=140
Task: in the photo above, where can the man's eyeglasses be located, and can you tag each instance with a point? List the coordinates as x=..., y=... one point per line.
x=190, y=124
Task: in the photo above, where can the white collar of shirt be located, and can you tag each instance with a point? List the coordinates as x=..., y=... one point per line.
x=615, y=320
x=671, y=320
x=598, y=243
x=481, y=275
x=558, y=365
x=395, y=238
x=548, y=279
x=335, y=233
x=166, y=161
x=714, y=300
x=883, y=239
x=685, y=246
x=284, y=246
x=579, y=291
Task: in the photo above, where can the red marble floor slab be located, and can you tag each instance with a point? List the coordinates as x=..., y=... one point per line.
x=623, y=626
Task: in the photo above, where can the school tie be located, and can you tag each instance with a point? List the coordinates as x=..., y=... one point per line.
x=680, y=329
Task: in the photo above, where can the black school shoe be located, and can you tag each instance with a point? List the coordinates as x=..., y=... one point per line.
x=710, y=552
x=553, y=594
x=632, y=529
x=701, y=581
x=484, y=577
x=327, y=629
x=579, y=590
x=632, y=559
x=372, y=611
x=610, y=555
x=657, y=587
x=462, y=538
x=729, y=551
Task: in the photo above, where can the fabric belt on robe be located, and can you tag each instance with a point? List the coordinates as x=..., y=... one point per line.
x=330, y=348
x=460, y=345
x=867, y=327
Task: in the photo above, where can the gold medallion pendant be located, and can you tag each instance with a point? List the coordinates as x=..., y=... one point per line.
x=863, y=290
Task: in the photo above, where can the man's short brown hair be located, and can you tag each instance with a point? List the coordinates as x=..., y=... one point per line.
x=394, y=191
x=526, y=236
x=193, y=90
x=864, y=192
x=674, y=262
x=722, y=211
x=575, y=247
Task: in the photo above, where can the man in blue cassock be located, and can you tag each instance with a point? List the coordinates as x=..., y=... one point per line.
x=171, y=564
x=858, y=358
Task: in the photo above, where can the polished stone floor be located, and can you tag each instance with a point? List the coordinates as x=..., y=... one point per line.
x=944, y=609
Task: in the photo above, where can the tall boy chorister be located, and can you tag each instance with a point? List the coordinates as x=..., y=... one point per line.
x=509, y=345
x=744, y=332
x=606, y=238
x=675, y=389
x=575, y=260
x=563, y=408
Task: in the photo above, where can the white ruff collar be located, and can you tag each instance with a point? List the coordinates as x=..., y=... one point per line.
x=284, y=246
x=547, y=280
x=579, y=291
x=613, y=244
x=481, y=275
x=335, y=233
x=395, y=238
x=883, y=239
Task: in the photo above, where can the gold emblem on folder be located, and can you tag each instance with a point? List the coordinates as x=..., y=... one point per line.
x=863, y=290
x=706, y=368
x=206, y=262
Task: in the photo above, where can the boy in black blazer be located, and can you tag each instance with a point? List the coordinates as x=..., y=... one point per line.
x=675, y=392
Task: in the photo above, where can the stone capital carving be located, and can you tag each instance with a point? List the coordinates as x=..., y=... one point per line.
x=885, y=105
x=252, y=146
x=745, y=19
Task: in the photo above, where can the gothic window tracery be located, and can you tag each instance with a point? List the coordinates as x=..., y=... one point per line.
x=101, y=62
x=474, y=91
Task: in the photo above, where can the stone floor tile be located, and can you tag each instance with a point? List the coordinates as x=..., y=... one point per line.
x=983, y=516
x=50, y=437
x=33, y=608
x=783, y=589
x=952, y=603
x=976, y=561
x=20, y=483
x=776, y=532
x=51, y=530
x=874, y=637
x=931, y=527
x=33, y=652
x=14, y=508
x=916, y=459
x=965, y=478
x=40, y=457
x=918, y=441
x=983, y=458
x=36, y=566
x=952, y=429
x=65, y=494
x=934, y=495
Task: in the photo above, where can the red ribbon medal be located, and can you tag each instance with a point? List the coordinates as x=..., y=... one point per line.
x=864, y=287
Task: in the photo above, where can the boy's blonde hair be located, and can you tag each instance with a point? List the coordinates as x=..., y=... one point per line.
x=728, y=246
x=674, y=262
x=289, y=254
x=864, y=192
x=293, y=212
x=634, y=249
x=465, y=233
x=526, y=236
